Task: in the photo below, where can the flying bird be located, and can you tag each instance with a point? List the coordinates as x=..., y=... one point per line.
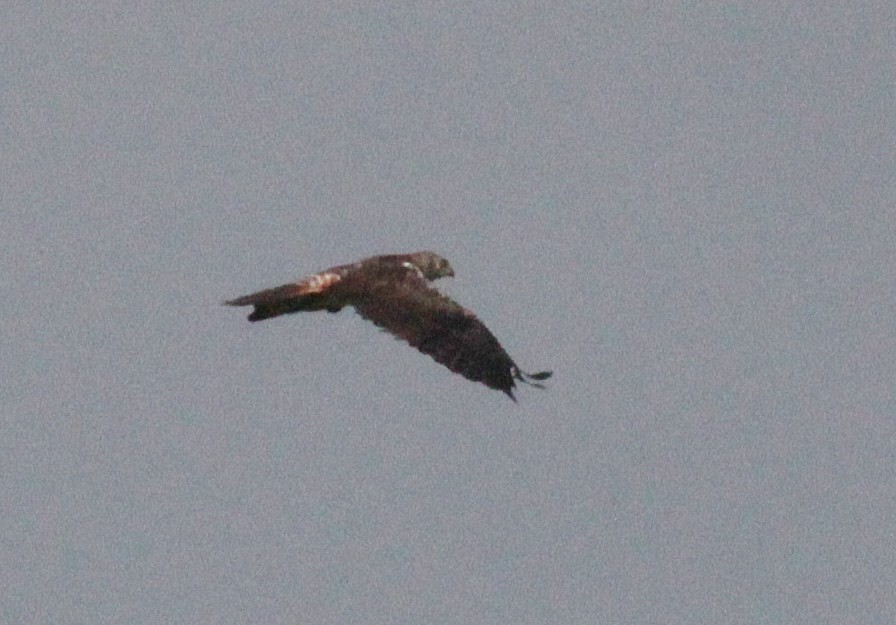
x=394, y=292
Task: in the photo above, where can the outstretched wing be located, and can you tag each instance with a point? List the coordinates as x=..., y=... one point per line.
x=399, y=300
x=317, y=292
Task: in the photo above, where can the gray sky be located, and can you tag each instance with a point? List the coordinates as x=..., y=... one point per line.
x=687, y=213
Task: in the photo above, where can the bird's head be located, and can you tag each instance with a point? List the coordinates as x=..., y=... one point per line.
x=432, y=265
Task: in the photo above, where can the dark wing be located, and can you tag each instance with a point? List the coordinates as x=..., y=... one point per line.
x=318, y=292
x=399, y=300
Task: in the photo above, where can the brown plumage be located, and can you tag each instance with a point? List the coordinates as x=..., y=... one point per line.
x=393, y=291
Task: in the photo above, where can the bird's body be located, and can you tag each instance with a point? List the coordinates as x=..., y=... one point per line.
x=393, y=291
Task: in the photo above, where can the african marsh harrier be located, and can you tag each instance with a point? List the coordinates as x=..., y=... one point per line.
x=394, y=292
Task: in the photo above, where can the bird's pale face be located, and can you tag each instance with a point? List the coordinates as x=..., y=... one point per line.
x=433, y=266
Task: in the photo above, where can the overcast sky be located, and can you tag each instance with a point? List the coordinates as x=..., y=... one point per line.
x=686, y=212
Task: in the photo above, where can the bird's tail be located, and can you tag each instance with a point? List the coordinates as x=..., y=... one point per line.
x=281, y=300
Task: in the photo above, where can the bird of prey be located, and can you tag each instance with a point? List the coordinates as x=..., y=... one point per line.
x=394, y=292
